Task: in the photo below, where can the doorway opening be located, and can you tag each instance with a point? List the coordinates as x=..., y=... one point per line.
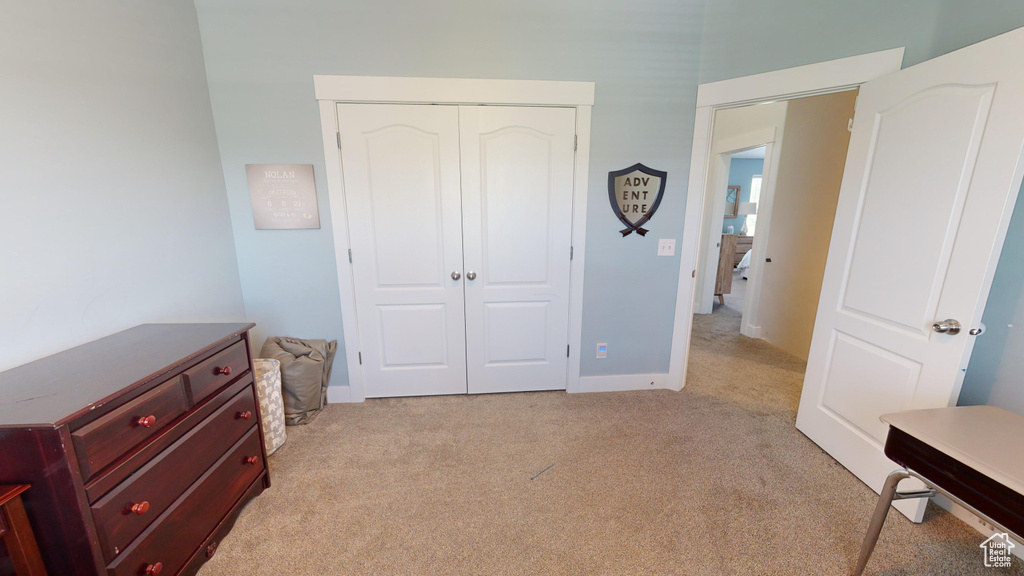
x=773, y=186
x=739, y=225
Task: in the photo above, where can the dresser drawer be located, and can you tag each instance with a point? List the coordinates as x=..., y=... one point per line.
x=102, y=441
x=127, y=510
x=176, y=534
x=216, y=371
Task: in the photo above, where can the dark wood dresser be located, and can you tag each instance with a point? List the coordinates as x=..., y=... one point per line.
x=141, y=448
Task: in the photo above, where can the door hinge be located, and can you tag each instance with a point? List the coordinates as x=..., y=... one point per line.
x=570, y=252
x=360, y=358
x=339, y=139
x=849, y=125
x=566, y=350
x=575, y=142
x=349, y=255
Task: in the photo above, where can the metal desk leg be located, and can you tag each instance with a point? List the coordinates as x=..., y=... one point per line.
x=878, y=519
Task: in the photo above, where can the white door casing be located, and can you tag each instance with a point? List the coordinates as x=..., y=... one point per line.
x=809, y=80
x=401, y=170
x=517, y=181
x=932, y=174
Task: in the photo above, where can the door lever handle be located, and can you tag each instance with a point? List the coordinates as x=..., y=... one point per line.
x=948, y=326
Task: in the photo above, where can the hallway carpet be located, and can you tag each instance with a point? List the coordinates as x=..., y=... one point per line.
x=713, y=480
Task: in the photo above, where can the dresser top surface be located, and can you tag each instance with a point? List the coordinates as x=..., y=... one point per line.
x=55, y=389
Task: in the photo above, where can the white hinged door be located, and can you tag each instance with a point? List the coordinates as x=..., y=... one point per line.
x=932, y=174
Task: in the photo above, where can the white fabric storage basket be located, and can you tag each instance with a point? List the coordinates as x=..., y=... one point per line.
x=268, y=388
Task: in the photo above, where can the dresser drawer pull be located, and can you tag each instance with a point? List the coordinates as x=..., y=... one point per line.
x=225, y=370
x=146, y=421
x=252, y=460
x=154, y=569
x=244, y=415
x=140, y=508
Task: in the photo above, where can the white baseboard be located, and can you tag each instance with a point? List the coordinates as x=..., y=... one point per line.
x=618, y=383
x=339, y=394
x=624, y=382
x=751, y=331
x=983, y=528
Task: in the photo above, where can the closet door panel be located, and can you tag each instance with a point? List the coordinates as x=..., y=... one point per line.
x=401, y=174
x=517, y=181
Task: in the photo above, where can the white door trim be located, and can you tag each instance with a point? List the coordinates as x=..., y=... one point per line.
x=820, y=78
x=714, y=209
x=331, y=90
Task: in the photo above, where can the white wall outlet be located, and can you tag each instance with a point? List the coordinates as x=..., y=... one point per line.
x=602, y=350
x=667, y=247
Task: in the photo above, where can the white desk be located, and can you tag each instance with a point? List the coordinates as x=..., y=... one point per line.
x=974, y=455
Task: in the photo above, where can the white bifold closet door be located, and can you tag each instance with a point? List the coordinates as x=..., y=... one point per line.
x=517, y=175
x=401, y=172
x=460, y=221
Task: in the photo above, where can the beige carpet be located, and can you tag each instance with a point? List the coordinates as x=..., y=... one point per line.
x=714, y=480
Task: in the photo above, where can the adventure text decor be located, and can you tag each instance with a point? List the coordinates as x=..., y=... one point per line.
x=635, y=193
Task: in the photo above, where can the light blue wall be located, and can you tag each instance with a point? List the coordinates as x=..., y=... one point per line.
x=260, y=60
x=741, y=170
x=646, y=57
x=113, y=209
x=996, y=373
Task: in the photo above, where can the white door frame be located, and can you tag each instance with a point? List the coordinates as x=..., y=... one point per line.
x=813, y=79
x=714, y=207
x=719, y=165
x=331, y=90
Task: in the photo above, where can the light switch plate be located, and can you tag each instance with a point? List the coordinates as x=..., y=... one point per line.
x=667, y=247
x=602, y=350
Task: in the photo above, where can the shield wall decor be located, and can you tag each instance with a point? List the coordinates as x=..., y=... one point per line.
x=635, y=193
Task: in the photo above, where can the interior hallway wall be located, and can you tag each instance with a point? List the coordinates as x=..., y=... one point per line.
x=811, y=162
x=113, y=212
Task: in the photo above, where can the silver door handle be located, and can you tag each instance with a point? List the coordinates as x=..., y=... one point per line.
x=948, y=326
x=456, y=275
x=470, y=275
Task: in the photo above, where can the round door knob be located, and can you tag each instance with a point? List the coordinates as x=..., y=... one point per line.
x=252, y=460
x=947, y=326
x=146, y=421
x=225, y=370
x=140, y=508
x=154, y=569
x=471, y=275
x=244, y=415
x=456, y=275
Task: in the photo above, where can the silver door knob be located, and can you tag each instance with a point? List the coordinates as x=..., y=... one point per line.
x=948, y=326
x=456, y=275
x=470, y=275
